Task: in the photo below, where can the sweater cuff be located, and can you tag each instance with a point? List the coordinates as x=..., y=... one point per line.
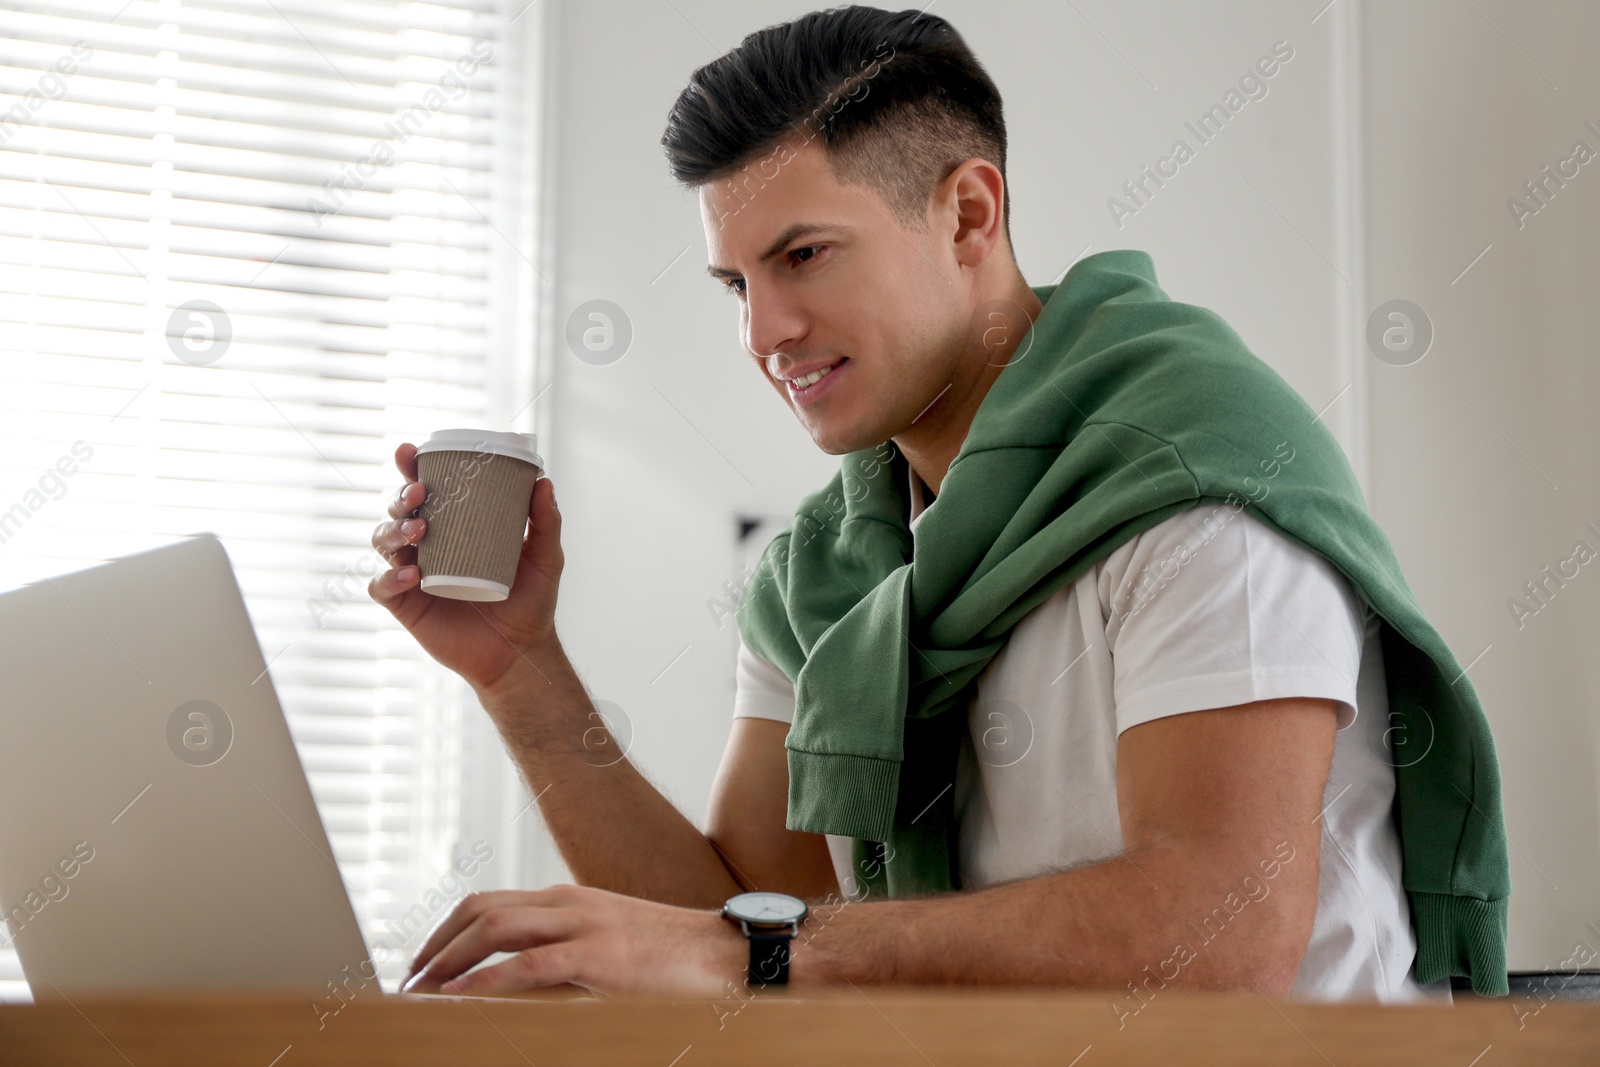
x=1461, y=935
x=834, y=793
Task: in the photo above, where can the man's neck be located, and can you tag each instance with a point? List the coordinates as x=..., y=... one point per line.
x=935, y=436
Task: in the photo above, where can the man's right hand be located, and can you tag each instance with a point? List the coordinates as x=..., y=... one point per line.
x=486, y=643
x=615, y=830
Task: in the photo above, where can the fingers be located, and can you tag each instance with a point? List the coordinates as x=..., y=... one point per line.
x=405, y=457
x=396, y=540
x=407, y=500
x=462, y=916
x=544, y=519
x=511, y=927
x=388, y=587
x=532, y=968
x=542, y=505
x=411, y=494
x=538, y=935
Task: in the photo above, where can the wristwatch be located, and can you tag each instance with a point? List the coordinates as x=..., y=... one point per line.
x=770, y=921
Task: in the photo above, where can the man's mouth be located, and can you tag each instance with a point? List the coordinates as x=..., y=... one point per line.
x=814, y=386
x=814, y=377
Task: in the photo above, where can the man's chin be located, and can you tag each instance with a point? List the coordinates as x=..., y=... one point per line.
x=830, y=446
x=835, y=443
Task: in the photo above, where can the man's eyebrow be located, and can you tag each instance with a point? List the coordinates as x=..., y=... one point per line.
x=793, y=233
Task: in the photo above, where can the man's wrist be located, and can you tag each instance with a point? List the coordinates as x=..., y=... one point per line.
x=730, y=955
x=821, y=953
x=809, y=968
x=851, y=940
x=535, y=668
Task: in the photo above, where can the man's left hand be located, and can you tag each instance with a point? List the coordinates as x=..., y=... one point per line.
x=605, y=942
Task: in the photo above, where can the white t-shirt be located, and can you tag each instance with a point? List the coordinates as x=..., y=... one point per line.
x=1208, y=609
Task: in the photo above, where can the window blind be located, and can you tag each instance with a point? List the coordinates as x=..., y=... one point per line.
x=246, y=249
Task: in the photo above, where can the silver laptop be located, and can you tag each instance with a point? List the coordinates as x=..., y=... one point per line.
x=156, y=828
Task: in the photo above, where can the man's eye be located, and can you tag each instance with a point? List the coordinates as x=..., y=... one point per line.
x=808, y=248
x=731, y=286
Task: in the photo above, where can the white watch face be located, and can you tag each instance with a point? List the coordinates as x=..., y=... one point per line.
x=766, y=907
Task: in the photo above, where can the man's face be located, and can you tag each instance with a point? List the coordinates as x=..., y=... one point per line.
x=879, y=303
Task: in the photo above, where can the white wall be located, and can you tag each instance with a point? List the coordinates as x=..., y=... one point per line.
x=1483, y=453
x=654, y=455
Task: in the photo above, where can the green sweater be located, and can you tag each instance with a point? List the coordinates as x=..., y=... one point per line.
x=1122, y=408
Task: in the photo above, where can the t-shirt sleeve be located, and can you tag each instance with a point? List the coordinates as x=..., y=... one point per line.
x=761, y=689
x=1214, y=607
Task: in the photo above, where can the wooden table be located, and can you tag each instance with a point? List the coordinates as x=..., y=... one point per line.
x=870, y=1025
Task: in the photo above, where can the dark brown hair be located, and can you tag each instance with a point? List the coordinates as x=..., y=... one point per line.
x=897, y=98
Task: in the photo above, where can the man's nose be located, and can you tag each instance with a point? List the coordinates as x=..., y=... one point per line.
x=772, y=324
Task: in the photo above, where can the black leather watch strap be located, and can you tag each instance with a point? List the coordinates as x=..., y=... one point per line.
x=769, y=956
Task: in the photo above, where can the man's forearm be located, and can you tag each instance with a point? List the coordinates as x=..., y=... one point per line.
x=614, y=829
x=1147, y=919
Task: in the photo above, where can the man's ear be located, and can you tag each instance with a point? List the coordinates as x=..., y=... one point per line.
x=973, y=200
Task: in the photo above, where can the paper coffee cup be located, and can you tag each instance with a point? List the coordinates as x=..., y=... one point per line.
x=479, y=484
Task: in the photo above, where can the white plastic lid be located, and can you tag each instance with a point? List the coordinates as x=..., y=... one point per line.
x=499, y=442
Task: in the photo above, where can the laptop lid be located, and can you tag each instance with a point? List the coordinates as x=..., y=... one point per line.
x=156, y=827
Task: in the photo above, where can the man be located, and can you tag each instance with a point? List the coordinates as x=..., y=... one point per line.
x=1177, y=767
